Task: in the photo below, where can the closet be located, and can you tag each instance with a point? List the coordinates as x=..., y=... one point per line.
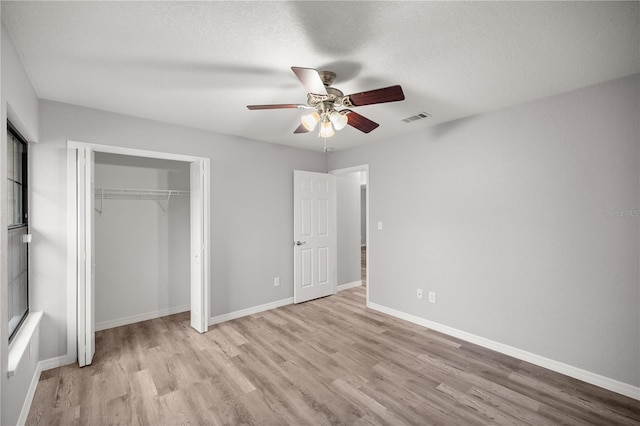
x=142, y=239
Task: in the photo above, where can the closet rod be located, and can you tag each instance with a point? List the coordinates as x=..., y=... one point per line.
x=137, y=194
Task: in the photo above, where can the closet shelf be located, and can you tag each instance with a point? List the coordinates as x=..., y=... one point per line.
x=138, y=194
x=156, y=195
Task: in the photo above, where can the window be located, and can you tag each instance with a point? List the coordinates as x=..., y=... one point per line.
x=17, y=251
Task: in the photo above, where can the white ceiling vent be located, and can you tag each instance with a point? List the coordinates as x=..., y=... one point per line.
x=418, y=116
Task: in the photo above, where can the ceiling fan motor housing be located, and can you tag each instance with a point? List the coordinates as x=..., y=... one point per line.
x=327, y=102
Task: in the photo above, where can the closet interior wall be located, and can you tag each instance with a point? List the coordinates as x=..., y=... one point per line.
x=142, y=246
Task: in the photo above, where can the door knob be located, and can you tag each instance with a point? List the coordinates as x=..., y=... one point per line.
x=299, y=243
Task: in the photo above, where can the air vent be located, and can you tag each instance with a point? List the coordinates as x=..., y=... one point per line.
x=418, y=116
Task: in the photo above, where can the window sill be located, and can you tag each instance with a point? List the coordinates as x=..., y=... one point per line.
x=20, y=344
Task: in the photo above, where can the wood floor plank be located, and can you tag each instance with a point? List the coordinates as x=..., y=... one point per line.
x=371, y=405
x=494, y=416
x=330, y=361
x=482, y=385
x=277, y=388
x=596, y=412
x=43, y=404
x=522, y=414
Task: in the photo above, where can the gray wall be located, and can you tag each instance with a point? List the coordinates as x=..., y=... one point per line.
x=19, y=103
x=251, y=199
x=508, y=215
x=142, y=252
x=348, y=224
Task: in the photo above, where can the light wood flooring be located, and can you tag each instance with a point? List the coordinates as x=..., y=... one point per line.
x=328, y=361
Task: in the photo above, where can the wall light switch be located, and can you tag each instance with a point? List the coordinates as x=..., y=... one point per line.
x=276, y=281
x=379, y=226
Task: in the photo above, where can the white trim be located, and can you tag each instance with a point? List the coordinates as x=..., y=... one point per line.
x=206, y=239
x=56, y=362
x=362, y=168
x=113, y=149
x=21, y=341
x=349, y=285
x=550, y=364
x=249, y=311
x=104, y=325
x=352, y=169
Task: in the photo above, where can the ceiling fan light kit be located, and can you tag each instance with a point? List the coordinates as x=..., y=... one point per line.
x=309, y=121
x=330, y=103
x=326, y=131
x=338, y=120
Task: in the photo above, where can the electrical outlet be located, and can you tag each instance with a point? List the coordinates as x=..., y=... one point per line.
x=276, y=281
x=432, y=297
x=419, y=293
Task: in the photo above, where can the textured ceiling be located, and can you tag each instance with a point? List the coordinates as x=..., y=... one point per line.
x=200, y=63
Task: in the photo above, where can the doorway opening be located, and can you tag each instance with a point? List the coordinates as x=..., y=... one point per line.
x=141, y=239
x=353, y=227
x=81, y=205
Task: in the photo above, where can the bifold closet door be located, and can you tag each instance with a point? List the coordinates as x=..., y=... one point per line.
x=86, y=259
x=199, y=187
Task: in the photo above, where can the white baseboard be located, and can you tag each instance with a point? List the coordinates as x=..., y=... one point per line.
x=104, y=325
x=44, y=365
x=249, y=311
x=56, y=362
x=349, y=285
x=550, y=364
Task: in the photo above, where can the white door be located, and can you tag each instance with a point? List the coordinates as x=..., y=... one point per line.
x=199, y=230
x=86, y=263
x=314, y=234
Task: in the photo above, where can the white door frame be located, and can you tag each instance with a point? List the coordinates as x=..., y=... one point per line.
x=72, y=234
x=346, y=171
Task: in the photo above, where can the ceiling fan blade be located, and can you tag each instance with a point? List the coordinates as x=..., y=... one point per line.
x=278, y=106
x=310, y=79
x=301, y=129
x=359, y=122
x=378, y=96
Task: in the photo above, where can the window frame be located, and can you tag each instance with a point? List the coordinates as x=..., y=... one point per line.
x=14, y=133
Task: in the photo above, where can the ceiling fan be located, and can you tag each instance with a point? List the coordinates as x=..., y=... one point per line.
x=331, y=106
